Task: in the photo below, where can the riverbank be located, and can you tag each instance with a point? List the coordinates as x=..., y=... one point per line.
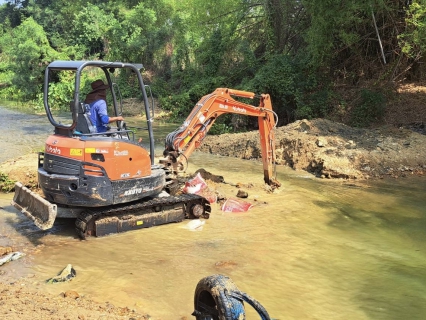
x=330, y=149
x=324, y=148
x=22, y=300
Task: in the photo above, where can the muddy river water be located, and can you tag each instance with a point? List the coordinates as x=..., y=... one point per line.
x=316, y=249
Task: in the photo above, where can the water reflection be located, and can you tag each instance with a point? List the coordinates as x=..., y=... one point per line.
x=317, y=249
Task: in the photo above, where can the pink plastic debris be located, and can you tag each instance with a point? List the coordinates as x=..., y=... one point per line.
x=198, y=185
x=195, y=185
x=236, y=205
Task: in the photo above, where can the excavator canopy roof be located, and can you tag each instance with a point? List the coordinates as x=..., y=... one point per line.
x=74, y=65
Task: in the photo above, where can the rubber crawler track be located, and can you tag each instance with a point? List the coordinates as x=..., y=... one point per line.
x=94, y=214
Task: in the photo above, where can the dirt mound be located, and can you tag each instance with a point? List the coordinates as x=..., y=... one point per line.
x=25, y=303
x=321, y=147
x=333, y=150
x=23, y=169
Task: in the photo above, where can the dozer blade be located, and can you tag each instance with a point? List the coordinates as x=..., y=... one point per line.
x=34, y=207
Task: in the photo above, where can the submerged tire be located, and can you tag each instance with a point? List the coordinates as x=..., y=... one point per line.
x=212, y=300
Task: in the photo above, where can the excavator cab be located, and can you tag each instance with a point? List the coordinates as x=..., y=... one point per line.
x=81, y=167
x=78, y=122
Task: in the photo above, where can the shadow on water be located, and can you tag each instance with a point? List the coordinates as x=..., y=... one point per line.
x=63, y=228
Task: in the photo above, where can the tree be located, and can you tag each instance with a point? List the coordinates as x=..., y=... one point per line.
x=413, y=40
x=91, y=31
x=28, y=52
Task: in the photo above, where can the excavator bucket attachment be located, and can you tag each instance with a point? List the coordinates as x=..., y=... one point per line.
x=34, y=207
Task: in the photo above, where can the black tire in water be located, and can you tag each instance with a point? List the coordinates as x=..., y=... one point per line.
x=213, y=300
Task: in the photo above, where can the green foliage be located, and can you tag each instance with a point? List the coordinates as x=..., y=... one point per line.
x=291, y=49
x=333, y=26
x=370, y=109
x=178, y=104
x=93, y=37
x=6, y=184
x=413, y=39
x=181, y=104
x=128, y=34
x=211, y=54
x=296, y=92
x=60, y=95
x=314, y=104
x=205, y=86
x=220, y=128
x=278, y=78
x=30, y=49
x=161, y=88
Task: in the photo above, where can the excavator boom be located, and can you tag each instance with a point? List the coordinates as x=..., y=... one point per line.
x=182, y=142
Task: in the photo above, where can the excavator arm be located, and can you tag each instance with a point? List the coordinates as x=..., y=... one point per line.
x=183, y=141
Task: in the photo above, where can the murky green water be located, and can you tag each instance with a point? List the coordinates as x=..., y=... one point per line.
x=317, y=249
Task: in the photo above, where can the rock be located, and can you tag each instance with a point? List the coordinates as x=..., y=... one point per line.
x=305, y=125
x=71, y=294
x=65, y=275
x=10, y=257
x=5, y=250
x=244, y=185
x=242, y=194
x=321, y=142
x=210, y=176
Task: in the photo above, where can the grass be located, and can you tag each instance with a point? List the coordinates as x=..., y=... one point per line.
x=6, y=184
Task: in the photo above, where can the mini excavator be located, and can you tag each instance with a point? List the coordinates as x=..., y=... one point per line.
x=108, y=182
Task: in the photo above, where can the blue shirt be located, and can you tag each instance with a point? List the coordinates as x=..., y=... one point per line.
x=99, y=115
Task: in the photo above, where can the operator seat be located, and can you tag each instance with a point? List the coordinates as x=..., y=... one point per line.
x=84, y=124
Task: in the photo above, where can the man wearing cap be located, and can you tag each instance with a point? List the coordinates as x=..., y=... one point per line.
x=98, y=107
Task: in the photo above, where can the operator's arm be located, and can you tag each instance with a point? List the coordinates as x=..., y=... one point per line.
x=112, y=119
x=103, y=115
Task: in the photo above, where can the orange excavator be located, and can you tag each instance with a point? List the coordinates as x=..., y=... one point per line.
x=109, y=182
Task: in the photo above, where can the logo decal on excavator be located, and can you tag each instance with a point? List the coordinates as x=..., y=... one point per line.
x=222, y=106
x=132, y=191
x=54, y=150
x=121, y=153
x=238, y=109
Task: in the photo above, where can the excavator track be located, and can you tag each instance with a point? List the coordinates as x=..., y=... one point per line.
x=141, y=214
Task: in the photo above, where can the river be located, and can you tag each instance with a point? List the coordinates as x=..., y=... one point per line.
x=315, y=249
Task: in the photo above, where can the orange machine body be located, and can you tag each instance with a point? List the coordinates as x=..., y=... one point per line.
x=93, y=171
x=121, y=159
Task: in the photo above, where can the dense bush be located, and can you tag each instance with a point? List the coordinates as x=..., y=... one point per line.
x=370, y=109
x=294, y=50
